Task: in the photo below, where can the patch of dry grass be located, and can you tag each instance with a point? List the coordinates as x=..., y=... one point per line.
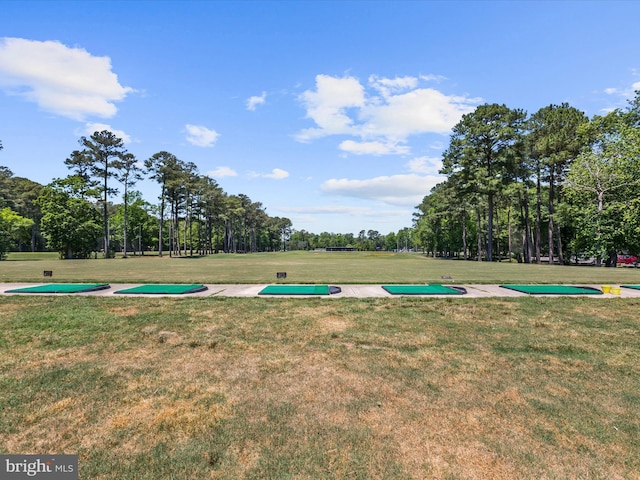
x=292, y=388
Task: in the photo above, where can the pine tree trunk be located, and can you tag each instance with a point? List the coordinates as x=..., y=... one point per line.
x=527, y=230
x=550, y=228
x=490, y=229
x=479, y=237
x=558, y=233
x=160, y=246
x=538, y=215
x=464, y=235
x=105, y=217
x=509, y=232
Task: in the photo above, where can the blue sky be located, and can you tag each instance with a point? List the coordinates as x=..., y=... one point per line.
x=331, y=113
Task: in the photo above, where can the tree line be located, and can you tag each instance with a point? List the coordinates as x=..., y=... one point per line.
x=76, y=217
x=554, y=186
x=369, y=240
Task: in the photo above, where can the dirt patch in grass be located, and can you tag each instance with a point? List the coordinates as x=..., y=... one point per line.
x=141, y=423
x=8, y=309
x=333, y=324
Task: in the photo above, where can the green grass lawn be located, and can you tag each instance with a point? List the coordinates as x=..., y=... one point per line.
x=260, y=388
x=301, y=267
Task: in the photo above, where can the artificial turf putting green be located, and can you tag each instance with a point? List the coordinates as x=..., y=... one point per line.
x=432, y=289
x=165, y=289
x=634, y=287
x=553, y=289
x=299, y=290
x=62, y=288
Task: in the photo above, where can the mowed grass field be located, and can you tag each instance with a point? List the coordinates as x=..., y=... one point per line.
x=301, y=267
x=276, y=388
x=396, y=388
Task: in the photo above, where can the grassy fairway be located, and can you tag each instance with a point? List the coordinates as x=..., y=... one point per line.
x=302, y=267
x=288, y=388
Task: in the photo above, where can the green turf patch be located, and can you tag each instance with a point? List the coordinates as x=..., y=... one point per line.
x=62, y=288
x=299, y=290
x=433, y=289
x=166, y=289
x=634, y=287
x=553, y=289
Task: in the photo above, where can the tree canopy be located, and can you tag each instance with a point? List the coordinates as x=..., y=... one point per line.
x=586, y=174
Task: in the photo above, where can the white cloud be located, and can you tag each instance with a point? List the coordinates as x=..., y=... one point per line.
x=432, y=78
x=327, y=106
x=384, y=116
x=620, y=96
x=344, y=210
x=373, y=148
x=327, y=209
x=91, y=127
x=62, y=80
x=421, y=110
x=201, y=136
x=222, y=172
x=387, y=86
x=254, y=101
x=276, y=174
x=407, y=189
x=427, y=165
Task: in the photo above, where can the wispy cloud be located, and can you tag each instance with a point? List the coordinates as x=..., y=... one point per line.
x=221, y=172
x=63, y=80
x=343, y=210
x=376, y=215
x=275, y=174
x=408, y=189
x=389, y=86
x=620, y=95
x=426, y=165
x=254, y=101
x=373, y=148
x=380, y=115
x=201, y=136
x=433, y=78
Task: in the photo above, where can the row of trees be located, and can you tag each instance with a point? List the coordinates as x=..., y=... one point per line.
x=554, y=184
x=17, y=197
x=370, y=240
x=76, y=217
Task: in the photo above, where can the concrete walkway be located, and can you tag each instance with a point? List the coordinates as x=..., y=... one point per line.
x=355, y=291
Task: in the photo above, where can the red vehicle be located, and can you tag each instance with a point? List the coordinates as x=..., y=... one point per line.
x=627, y=260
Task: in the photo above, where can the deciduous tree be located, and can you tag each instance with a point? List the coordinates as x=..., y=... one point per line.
x=604, y=178
x=70, y=224
x=13, y=228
